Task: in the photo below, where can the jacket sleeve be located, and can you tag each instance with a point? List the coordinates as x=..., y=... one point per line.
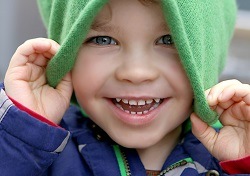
x=28, y=146
x=239, y=166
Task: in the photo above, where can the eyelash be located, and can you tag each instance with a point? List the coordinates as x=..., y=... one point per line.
x=97, y=39
x=163, y=40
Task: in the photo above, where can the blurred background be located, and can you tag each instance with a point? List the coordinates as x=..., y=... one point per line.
x=20, y=21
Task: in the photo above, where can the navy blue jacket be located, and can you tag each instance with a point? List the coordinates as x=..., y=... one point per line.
x=29, y=147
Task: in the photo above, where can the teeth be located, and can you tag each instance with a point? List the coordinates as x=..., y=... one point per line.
x=152, y=108
x=118, y=105
x=139, y=113
x=140, y=102
x=127, y=111
x=157, y=100
x=132, y=102
x=156, y=105
x=118, y=99
x=125, y=101
x=149, y=101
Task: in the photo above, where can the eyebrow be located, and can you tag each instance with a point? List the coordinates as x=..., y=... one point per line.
x=101, y=26
x=164, y=26
x=108, y=28
x=105, y=26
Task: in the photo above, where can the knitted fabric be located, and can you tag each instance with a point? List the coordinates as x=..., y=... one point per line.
x=201, y=30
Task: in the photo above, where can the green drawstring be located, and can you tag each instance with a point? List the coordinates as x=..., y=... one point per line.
x=120, y=160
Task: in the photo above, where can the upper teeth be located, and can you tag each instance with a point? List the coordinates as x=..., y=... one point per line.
x=138, y=102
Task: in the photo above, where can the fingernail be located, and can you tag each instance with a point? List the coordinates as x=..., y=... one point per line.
x=209, y=97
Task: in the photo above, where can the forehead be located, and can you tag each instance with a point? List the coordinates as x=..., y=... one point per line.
x=122, y=9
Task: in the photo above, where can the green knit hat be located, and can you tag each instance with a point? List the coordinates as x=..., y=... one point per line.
x=201, y=30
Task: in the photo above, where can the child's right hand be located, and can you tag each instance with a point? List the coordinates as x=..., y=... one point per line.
x=25, y=80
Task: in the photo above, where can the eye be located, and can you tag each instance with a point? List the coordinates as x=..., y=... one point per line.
x=102, y=40
x=165, y=40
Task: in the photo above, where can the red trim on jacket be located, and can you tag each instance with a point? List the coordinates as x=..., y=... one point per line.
x=32, y=113
x=238, y=166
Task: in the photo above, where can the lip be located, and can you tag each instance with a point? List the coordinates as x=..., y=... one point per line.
x=136, y=119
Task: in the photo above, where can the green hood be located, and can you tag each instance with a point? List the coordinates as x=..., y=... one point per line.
x=201, y=29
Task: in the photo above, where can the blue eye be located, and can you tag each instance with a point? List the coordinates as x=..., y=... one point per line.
x=165, y=40
x=102, y=40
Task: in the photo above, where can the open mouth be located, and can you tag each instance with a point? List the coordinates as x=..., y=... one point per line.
x=137, y=106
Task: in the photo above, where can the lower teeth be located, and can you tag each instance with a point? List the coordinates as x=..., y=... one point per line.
x=139, y=113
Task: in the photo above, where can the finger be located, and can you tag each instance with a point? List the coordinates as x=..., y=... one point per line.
x=238, y=112
x=204, y=133
x=229, y=117
x=28, y=51
x=221, y=107
x=38, y=59
x=219, y=110
x=65, y=87
x=38, y=45
x=215, y=91
x=236, y=92
x=225, y=105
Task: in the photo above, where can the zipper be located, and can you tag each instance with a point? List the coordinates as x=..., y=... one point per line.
x=122, y=161
x=125, y=161
x=125, y=169
x=175, y=165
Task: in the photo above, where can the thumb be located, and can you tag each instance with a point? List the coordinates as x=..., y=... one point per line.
x=203, y=132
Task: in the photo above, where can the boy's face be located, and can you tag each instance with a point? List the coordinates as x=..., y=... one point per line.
x=128, y=77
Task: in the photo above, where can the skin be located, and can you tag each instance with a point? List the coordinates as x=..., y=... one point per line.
x=231, y=99
x=25, y=80
x=135, y=65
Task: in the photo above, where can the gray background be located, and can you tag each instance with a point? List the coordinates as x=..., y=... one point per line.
x=244, y=4
x=20, y=20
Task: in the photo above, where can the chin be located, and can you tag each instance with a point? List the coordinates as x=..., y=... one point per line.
x=136, y=142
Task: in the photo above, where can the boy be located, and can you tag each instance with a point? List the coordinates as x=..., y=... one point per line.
x=133, y=80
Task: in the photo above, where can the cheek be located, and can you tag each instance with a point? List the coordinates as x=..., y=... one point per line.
x=91, y=73
x=173, y=71
x=83, y=75
x=178, y=80
x=87, y=70
x=85, y=88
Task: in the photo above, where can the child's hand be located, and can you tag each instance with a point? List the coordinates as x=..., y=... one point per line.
x=231, y=99
x=25, y=80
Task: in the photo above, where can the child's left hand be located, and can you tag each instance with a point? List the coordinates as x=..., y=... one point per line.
x=231, y=100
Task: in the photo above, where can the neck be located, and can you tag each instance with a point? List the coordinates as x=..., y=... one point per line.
x=154, y=156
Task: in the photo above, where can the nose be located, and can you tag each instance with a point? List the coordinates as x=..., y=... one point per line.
x=137, y=67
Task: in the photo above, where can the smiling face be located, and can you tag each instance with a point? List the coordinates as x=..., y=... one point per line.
x=128, y=77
